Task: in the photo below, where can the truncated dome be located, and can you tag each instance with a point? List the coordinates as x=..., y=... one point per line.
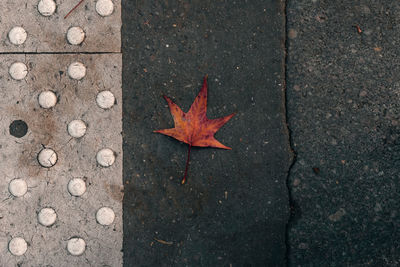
x=105, y=216
x=17, y=187
x=105, y=99
x=17, y=246
x=47, y=157
x=104, y=7
x=77, y=187
x=47, y=99
x=18, y=71
x=75, y=35
x=105, y=157
x=17, y=35
x=47, y=216
x=76, y=246
x=77, y=71
x=46, y=7
x=77, y=128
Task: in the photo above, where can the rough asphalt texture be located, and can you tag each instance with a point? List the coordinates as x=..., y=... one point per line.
x=234, y=208
x=343, y=108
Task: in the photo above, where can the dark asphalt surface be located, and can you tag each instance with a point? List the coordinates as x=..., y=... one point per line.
x=234, y=208
x=343, y=111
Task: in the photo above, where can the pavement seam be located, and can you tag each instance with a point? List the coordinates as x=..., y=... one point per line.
x=293, y=153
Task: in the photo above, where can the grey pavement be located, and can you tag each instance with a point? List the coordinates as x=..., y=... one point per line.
x=343, y=112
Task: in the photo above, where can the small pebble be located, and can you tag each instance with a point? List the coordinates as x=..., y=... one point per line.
x=337, y=216
x=292, y=33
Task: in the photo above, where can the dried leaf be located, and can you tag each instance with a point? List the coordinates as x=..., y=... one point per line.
x=193, y=127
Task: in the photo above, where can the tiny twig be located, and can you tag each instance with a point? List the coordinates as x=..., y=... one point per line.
x=358, y=29
x=75, y=7
x=163, y=242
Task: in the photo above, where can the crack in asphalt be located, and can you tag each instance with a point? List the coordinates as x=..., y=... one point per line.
x=293, y=153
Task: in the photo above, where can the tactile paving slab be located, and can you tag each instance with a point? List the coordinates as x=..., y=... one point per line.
x=49, y=33
x=77, y=159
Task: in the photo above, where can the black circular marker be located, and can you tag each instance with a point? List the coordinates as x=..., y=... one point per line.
x=18, y=128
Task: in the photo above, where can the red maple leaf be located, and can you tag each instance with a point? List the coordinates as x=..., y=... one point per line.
x=193, y=127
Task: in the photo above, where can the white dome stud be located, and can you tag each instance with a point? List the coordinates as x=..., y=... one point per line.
x=47, y=216
x=75, y=35
x=77, y=71
x=17, y=246
x=76, y=246
x=104, y=7
x=47, y=157
x=105, y=157
x=17, y=35
x=76, y=187
x=17, y=187
x=105, y=216
x=105, y=99
x=18, y=71
x=77, y=128
x=47, y=99
x=46, y=7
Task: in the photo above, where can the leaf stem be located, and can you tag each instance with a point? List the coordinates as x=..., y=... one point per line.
x=187, y=165
x=75, y=7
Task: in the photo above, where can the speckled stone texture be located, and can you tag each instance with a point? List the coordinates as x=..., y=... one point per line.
x=48, y=34
x=234, y=208
x=343, y=110
x=76, y=159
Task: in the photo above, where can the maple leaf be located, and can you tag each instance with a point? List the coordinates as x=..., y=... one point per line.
x=193, y=127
